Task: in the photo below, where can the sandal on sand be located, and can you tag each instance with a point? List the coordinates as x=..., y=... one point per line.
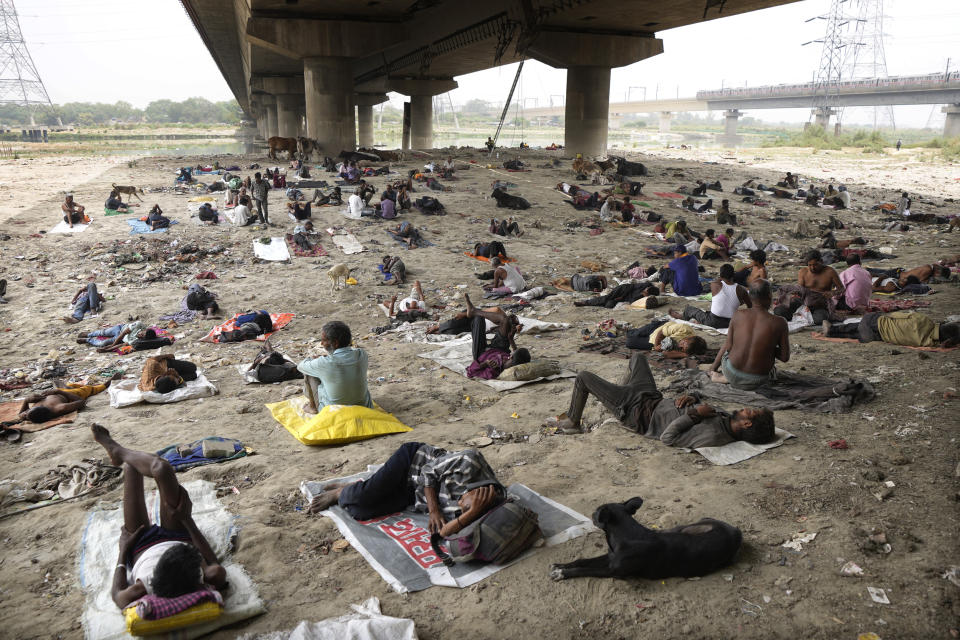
x=11, y=434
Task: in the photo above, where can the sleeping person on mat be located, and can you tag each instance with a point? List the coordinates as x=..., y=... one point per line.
x=169, y=559
x=56, y=403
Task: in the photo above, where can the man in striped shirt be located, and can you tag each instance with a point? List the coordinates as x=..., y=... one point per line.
x=453, y=488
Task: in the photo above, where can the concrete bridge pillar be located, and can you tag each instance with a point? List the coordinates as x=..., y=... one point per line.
x=587, y=103
x=665, y=118
x=365, y=102
x=731, y=119
x=951, y=126
x=821, y=116
x=421, y=92
x=288, y=106
x=270, y=115
x=328, y=93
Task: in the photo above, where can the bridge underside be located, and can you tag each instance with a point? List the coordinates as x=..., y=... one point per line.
x=319, y=66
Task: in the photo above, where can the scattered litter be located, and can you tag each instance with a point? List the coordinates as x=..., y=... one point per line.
x=751, y=609
x=799, y=539
x=952, y=574
x=838, y=444
x=878, y=595
x=340, y=545
x=851, y=569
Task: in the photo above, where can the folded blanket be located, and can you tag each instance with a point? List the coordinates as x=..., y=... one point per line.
x=139, y=226
x=789, y=391
x=280, y=320
x=188, y=456
x=153, y=607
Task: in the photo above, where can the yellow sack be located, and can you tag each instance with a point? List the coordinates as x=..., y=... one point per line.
x=197, y=614
x=335, y=424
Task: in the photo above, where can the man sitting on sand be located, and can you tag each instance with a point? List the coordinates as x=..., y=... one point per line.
x=817, y=284
x=727, y=296
x=506, y=278
x=755, y=339
x=678, y=423
x=55, y=403
x=163, y=373
x=757, y=269
x=169, y=559
x=857, y=285
x=337, y=378
x=455, y=489
x=710, y=248
x=905, y=328
x=72, y=212
x=682, y=273
x=85, y=300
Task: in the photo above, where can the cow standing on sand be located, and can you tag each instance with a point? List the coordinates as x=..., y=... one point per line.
x=278, y=143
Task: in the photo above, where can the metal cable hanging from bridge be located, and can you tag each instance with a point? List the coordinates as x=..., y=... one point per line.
x=506, y=107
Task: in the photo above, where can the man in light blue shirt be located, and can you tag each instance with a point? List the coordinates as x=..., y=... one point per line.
x=339, y=378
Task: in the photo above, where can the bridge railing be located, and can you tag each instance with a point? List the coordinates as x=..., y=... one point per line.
x=929, y=81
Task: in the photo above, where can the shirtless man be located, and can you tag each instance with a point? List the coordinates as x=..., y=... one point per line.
x=54, y=403
x=72, y=212
x=818, y=277
x=755, y=339
x=756, y=271
x=924, y=272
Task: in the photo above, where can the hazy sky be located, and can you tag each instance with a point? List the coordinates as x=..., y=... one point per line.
x=102, y=51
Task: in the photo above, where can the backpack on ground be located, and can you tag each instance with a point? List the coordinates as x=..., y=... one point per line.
x=500, y=536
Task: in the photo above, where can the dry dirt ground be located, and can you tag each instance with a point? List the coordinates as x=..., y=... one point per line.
x=908, y=435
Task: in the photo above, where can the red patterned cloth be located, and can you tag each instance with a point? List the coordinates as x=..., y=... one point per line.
x=877, y=305
x=152, y=607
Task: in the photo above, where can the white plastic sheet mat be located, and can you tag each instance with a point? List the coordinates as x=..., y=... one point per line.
x=398, y=546
x=738, y=451
x=457, y=355
x=63, y=227
x=97, y=557
x=365, y=623
x=276, y=251
x=125, y=393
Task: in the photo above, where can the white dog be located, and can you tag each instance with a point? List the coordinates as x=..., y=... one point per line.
x=338, y=273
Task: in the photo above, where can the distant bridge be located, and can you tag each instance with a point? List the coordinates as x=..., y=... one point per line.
x=936, y=88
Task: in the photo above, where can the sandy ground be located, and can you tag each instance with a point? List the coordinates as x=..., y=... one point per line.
x=908, y=435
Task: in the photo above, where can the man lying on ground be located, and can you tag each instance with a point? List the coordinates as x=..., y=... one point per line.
x=409, y=234
x=85, y=300
x=493, y=249
x=163, y=373
x=199, y=299
x=55, y=403
x=727, y=296
x=396, y=268
x=114, y=203
x=629, y=292
x=674, y=339
x=506, y=278
x=168, y=559
x=589, y=282
x=411, y=308
x=491, y=358
x=905, y=328
x=455, y=489
x=337, y=378
x=755, y=339
x=109, y=338
x=678, y=423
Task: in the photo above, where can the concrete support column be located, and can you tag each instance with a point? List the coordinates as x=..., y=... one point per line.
x=271, y=128
x=665, y=118
x=730, y=137
x=586, y=111
x=951, y=126
x=328, y=90
x=288, y=105
x=421, y=122
x=365, y=125
x=821, y=116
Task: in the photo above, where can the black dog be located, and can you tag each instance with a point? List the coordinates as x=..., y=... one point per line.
x=505, y=200
x=688, y=550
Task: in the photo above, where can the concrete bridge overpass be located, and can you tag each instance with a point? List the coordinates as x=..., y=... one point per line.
x=936, y=88
x=317, y=67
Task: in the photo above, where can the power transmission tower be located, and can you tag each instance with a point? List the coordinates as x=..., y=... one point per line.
x=865, y=55
x=826, y=83
x=20, y=83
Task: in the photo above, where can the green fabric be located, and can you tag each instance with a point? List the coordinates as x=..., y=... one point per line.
x=114, y=212
x=641, y=203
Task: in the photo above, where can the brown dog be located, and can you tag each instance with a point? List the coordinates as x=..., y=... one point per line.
x=130, y=191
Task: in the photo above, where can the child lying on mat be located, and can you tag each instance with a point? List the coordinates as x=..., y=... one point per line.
x=169, y=559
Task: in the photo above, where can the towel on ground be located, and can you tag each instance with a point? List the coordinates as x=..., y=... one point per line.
x=276, y=251
x=188, y=456
x=280, y=320
x=101, y=618
x=63, y=227
x=398, y=546
x=154, y=607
